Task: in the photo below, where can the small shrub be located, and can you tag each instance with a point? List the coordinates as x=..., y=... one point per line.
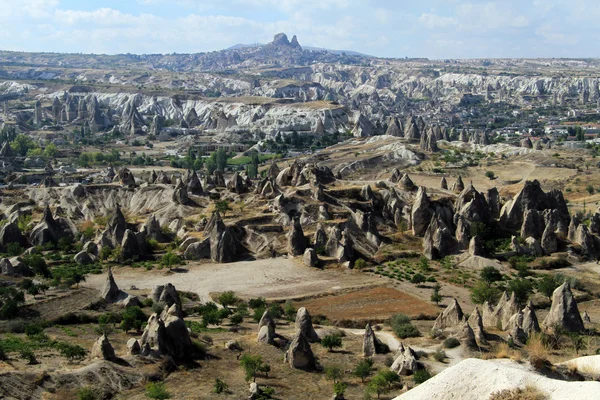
x=527, y=393
x=421, y=376
x=156, y=390
x=451, y=343
x=402, y=327
x=538, y=353
x=220, y=386
x=439, y=355
x=87, y=393
x=360, y=264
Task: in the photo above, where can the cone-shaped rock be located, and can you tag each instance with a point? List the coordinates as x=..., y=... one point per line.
x=564, y=311
x=304, y=325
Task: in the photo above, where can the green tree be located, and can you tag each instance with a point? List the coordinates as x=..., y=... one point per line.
x=483, y=291
x=10, y=299
x=170, y=260
x=22, y=144
x=227, y=299
x=490, y=175
x=589, y=189
x=490, y=275
x=222, y=206
x=221, y=159
x=132, y=318
x=390, y=377
x=579, y=133
x=334, y=373
x=363, y=369
x=252, y=365
x=50, y=151
x=547, y=284
x=436, y=297
x=378, y=385
x=331, y=341
x=418, y=279
x=521, y=288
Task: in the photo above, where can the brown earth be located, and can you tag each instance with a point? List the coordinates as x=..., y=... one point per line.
x=376, y=304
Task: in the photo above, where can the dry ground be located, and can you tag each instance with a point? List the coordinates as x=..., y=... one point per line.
x=377, y=304
x=274, y=279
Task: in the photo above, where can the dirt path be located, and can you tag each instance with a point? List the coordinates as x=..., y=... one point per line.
x=274, y=279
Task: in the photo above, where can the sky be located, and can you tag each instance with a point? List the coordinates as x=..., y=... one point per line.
x=436, y=29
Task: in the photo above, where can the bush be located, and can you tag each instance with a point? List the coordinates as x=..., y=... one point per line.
x=87, y=393
x=219, y=386
x=227, y=299
x=439, y=355
x=331, y=341
x=522, y=288
x=72, y=351
x=482, y=292
x=275, y=311
x=363, y=369
x=360, y=264
x=490, y=175
x=156, y=390
x=402, y=327
x=252, y=364
x=257, y=303
x=490, y=275
x=421, y=376
x=451, y=343
x=418, y=279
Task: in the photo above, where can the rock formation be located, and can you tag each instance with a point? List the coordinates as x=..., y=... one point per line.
x=564, y=311
x=451, y=316
x=103, y=349
x=299, y=354
x=304, y=324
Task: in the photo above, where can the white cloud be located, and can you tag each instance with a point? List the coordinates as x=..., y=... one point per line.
x=433, y=21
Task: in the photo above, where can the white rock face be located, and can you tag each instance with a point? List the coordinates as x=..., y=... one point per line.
x=475, y=379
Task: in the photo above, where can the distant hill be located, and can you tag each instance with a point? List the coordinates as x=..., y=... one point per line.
x=240, y=46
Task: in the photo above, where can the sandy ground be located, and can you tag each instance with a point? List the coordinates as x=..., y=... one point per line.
x=279, y=278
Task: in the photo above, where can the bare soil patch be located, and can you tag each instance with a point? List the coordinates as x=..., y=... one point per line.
x=376, y=304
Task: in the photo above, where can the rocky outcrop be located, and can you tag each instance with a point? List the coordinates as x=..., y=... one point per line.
x=167, y=335
x=193, y=184
x=438, y=241
x=299, y=354
x=310, y=258
x=133, y=347
x=180, y=194
x=297, y=242
x=110, y=291
x=223, y=246
x=395, y=127
x=132, y=121
x=444, y=183
x=103, y=349
x=266, y=329
x=406, y=183
x=49, y=230
x=459, y=185
x=421, y=212
x=564, y=311
x=530, y=323
x=236, y=184
x=10, y=233
x=369, y=342
x=153, y=231
x=405, y=362
x=167, y=295
x=304, y=325
x=476, y=323
x=451, y=316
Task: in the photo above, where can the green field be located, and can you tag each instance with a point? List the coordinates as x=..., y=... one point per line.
x=246, y=159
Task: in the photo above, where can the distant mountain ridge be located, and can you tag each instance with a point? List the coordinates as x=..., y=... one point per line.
x=240, y=46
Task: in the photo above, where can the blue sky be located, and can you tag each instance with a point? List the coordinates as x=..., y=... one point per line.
x=435, y=29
